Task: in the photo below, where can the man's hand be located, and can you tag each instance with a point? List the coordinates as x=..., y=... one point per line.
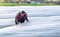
x=28, y=21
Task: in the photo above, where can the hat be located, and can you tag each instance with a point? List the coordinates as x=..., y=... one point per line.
x=23, y=12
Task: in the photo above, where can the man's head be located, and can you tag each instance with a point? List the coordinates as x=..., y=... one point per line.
x=22, y=13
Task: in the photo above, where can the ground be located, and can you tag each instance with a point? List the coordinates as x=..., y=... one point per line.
x=44, y=21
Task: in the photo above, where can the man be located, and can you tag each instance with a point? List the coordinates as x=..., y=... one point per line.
x=21, y=17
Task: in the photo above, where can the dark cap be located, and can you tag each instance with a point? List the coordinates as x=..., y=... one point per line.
x=23, y=12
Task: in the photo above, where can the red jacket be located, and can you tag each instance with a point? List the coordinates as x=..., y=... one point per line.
x=18, y=16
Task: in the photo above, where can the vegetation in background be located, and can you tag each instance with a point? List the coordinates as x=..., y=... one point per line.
x=29, y=3
x=16, y=4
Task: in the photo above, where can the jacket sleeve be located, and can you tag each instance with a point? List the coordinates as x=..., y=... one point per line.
x=17, y=16
x=26, y=17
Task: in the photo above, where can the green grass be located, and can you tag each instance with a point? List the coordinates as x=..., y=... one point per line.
x=17, y=4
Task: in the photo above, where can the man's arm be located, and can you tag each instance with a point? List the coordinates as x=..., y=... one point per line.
x=26, y=17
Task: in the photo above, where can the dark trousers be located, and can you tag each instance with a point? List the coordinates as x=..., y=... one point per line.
x=17, y=21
